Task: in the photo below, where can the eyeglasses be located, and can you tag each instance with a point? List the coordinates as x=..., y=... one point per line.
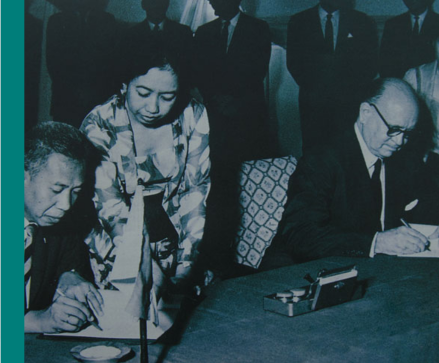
x=392, y=130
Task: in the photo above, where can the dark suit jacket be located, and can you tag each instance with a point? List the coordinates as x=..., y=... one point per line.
x=178, y=37
x=330, y=84
x=398, y=52
x=354, y=60
x=238, y=75
x=79, y=56
x=330, y=205
x=60, y=253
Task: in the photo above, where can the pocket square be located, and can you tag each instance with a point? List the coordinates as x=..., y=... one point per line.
x=350, y=35
x=411, y=205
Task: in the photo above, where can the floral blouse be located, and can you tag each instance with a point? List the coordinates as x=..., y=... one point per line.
x=185, y=189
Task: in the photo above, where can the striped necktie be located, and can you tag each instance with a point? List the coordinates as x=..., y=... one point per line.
x=29, y=233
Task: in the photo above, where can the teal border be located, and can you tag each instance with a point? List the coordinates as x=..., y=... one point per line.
x=12, y=135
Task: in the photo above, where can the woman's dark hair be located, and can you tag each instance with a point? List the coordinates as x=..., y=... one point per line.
x=136, y=62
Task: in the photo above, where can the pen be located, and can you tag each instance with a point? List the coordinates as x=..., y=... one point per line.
x=427, y=247
x=92, y=322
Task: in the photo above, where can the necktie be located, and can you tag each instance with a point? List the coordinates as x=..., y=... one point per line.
x=376, y=190
x=329, y=34
x=225, y=35
x=416, y=27
x=29, y=233
x=156, y=28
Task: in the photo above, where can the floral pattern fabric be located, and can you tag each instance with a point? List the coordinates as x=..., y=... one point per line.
x=185, y=191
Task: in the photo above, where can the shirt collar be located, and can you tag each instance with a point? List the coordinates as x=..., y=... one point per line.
x=369, y=158
x=26, y=222
x=323, y=13
x=152, y=25
x=234, y=20
x=421, y=16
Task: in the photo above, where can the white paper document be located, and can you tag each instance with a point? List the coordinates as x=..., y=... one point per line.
x=118, y=324
x=426, y=230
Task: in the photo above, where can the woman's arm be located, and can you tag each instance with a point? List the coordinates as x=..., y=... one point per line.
x=109, y=198
x=194, y=191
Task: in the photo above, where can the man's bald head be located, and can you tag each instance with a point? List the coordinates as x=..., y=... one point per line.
x=387, y=116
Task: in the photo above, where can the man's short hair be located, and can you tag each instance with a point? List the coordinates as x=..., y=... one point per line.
x=51, y=137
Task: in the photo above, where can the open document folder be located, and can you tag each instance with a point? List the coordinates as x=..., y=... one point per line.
x=426, y=230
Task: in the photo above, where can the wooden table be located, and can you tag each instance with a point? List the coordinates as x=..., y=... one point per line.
x=396, y=321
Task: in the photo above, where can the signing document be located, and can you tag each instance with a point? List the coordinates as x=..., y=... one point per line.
x=433, y=248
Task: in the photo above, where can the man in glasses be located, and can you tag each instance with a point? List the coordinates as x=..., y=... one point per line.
x=348, y=199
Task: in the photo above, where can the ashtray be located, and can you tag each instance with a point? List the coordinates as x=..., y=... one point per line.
x=103, y=352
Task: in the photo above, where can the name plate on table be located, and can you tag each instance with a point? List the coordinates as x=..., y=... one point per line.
x=332, y=287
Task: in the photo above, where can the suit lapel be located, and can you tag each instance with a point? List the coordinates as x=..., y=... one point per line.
x=429, y=23
x=316, y=26
x=359, y=187
x=343, y=29
x=237, y=34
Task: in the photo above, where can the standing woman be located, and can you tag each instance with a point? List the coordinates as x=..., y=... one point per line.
x=155, y=142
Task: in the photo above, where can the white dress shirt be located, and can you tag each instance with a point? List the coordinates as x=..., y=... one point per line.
x=152, y=25
x=421, y=18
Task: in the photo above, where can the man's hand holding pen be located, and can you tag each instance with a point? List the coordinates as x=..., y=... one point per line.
x=73, y=287
x=74, y=304
x=401, y=240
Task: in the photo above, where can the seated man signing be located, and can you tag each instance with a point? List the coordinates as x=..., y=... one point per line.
x=57, y=297
x=349, y=199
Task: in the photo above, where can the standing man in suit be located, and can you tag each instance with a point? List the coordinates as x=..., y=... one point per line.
x=331, y=53
x=57, y=294
x=348, y=199
x=233, y=54
x=157, y=26
x=408, y=39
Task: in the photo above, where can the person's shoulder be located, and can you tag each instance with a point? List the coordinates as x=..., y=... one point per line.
x=337, y=151
x=176, y=26
x=196, y=108
x=433, y=14
x=102, y=115
x=193, y=116
x=358, y=15
x=397, y=20
x=304, y=15
x=252, y=20
x=205, y=28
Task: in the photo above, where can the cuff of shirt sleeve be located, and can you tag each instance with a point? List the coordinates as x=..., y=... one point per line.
x=372, y=247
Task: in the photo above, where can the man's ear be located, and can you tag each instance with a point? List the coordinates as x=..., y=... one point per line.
x=123, y=89
x=364, y=112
